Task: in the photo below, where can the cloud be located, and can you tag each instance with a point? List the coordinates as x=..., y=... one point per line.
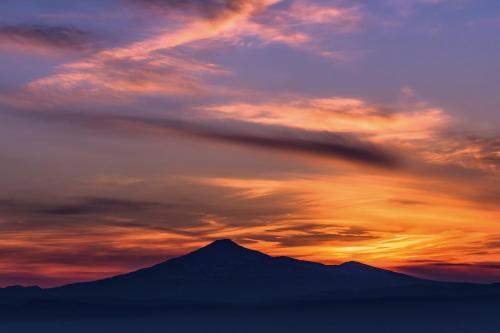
x=493, y=243
x=482, y=272
x=89, y=238
x=62, y=38
x=315, y=218
x=408, y=202
x=341, y=114
x=326, y=145
x=475, y=151
x=312, y=235
x=246, y=22
x=111, y=77
x=417, y=128
x=295, y=24
x=194, y=203
x=68, y=253
x=300, y=14
x=85, y=206
x=154, y=64
x=277, y=138
x=149, y=66
x=212, y=9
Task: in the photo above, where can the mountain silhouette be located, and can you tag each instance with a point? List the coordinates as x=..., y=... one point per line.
x=224, y=287
x=227, y=272
x=224, y=277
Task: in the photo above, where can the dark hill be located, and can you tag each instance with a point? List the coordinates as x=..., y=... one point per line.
x=225, y=271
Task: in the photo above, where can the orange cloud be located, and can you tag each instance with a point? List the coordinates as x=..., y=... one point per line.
x=383, y=218
x=72, y=254
x=339, y=114
x=398, y=230
x=303, y=12
x=415, y=127
x=154, y=66
x=146, y=67
x=470, y=151
x=289, y=25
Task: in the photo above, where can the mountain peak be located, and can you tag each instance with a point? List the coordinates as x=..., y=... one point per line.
x=223, y=243
x=354, y=264
x=225, y=249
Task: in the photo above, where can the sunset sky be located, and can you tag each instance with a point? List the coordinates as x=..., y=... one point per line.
x=132, y=131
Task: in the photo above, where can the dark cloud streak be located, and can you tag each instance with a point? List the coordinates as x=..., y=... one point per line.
x=321, y=144
x=278, y=138
x=211, y=9
x=483, y=272
x=57, y=37
x=82, y=207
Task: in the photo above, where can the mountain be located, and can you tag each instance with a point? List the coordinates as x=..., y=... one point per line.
x=224, y=277
x=224, y=271
x=224, y=287
x=14, y=295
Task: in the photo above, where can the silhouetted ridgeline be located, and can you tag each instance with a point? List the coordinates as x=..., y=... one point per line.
x=224, y=278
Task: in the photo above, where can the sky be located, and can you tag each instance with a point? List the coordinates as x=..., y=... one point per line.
x=133, y=131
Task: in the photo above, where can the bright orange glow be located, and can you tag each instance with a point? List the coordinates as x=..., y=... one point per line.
x=342, y=115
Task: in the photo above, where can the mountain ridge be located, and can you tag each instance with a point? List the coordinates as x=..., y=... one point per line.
x=224, y=272
x=220, y=249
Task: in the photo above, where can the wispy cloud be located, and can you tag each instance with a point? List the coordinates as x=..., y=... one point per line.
x=111, y=76
x=468, y=150
x=211, y=9
x=45, y=38
x=342, y=114
x=155, y=64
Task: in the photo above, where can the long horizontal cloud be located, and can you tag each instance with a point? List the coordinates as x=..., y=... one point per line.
x=313, y=235
x=341, y=114
x=333, y=146
x=484, y=272
x=44, y=36
x=284, y=139
x=209, y=8
x=86, y=206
